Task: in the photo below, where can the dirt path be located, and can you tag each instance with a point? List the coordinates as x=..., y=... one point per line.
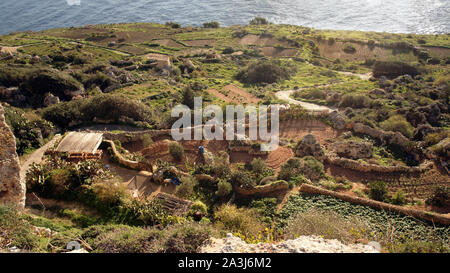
x=286, y=95
x=36, y=157
x=365, y=77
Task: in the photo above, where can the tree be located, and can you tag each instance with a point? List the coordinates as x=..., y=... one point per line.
x=188, y=97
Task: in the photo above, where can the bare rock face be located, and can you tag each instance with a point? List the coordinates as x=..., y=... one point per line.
x=309, y=146
x=12, y=190
x=353, y=149
x=337, y=120
x=302, y=244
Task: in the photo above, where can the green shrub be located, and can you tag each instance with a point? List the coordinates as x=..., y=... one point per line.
x=57, y=82
x=243, y=179
x=199, y=206
x=355, y=101
x=259, y=21
x=393, y=69
x=186, y=189
x=349, y=49
x=16, y=231
x=398, y=123
x=212, y=24
x=266, y=71
x=176, y=150
x=29, y=131
x=398, y=198
x=224, y=188
x=326, y=224
x=308, y=166
x=173, y=25
x=440, y=197
x=238, y=220
x=378, y=191
x=116, y=107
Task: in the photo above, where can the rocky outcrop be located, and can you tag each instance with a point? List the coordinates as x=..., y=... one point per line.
x=50, y=99
x=337, y=120
x=334, y=97
x=12, y=190
x=389, y=138
x=309, y=146
x=303, y=244
x=353, y=149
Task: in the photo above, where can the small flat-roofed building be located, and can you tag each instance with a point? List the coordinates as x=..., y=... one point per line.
x=81, y=146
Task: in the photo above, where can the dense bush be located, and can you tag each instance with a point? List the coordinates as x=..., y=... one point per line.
x=327, y=224
x=355, y=101
x=266, y=71
x=259, y=21
x=29, y=132
x=393, y=69
x=238, y=220
x=440, y=197
x=173, y=25
x=15, y=231
x=51, y=80
x=349, y=49
x=398, y=198
x=114, y=107
x=398, y=123
x=378, y=191
x=186, y=189
x=308, y=166
x=224, y=188
x=181, y=238
x=211, y=24
x=176, y=150
x=243, y=179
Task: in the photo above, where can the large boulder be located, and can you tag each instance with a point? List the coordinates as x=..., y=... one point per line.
x=337, y=120
x=353, y=149
x=50, y=99
x=12, y=188
x=309, y=146
x=334, y=97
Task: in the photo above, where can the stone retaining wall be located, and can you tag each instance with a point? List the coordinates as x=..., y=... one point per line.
x=125, y=162
x=266, y=189
x=366, y=167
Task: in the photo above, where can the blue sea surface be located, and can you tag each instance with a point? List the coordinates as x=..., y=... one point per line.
x=397, y=16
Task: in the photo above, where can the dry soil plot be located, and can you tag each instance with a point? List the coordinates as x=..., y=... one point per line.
x=279, y=52
x=278, y=157
x=363, y=52
x=297, y=129
x=234, y=94
x=200, y=43
x=252, y=39
x=439, y=52
x=168, y=42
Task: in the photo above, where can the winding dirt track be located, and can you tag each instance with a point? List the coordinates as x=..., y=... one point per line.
x=36, y=157
x=286, y=94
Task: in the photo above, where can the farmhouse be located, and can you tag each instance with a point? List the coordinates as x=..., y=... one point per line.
x=81, y=146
